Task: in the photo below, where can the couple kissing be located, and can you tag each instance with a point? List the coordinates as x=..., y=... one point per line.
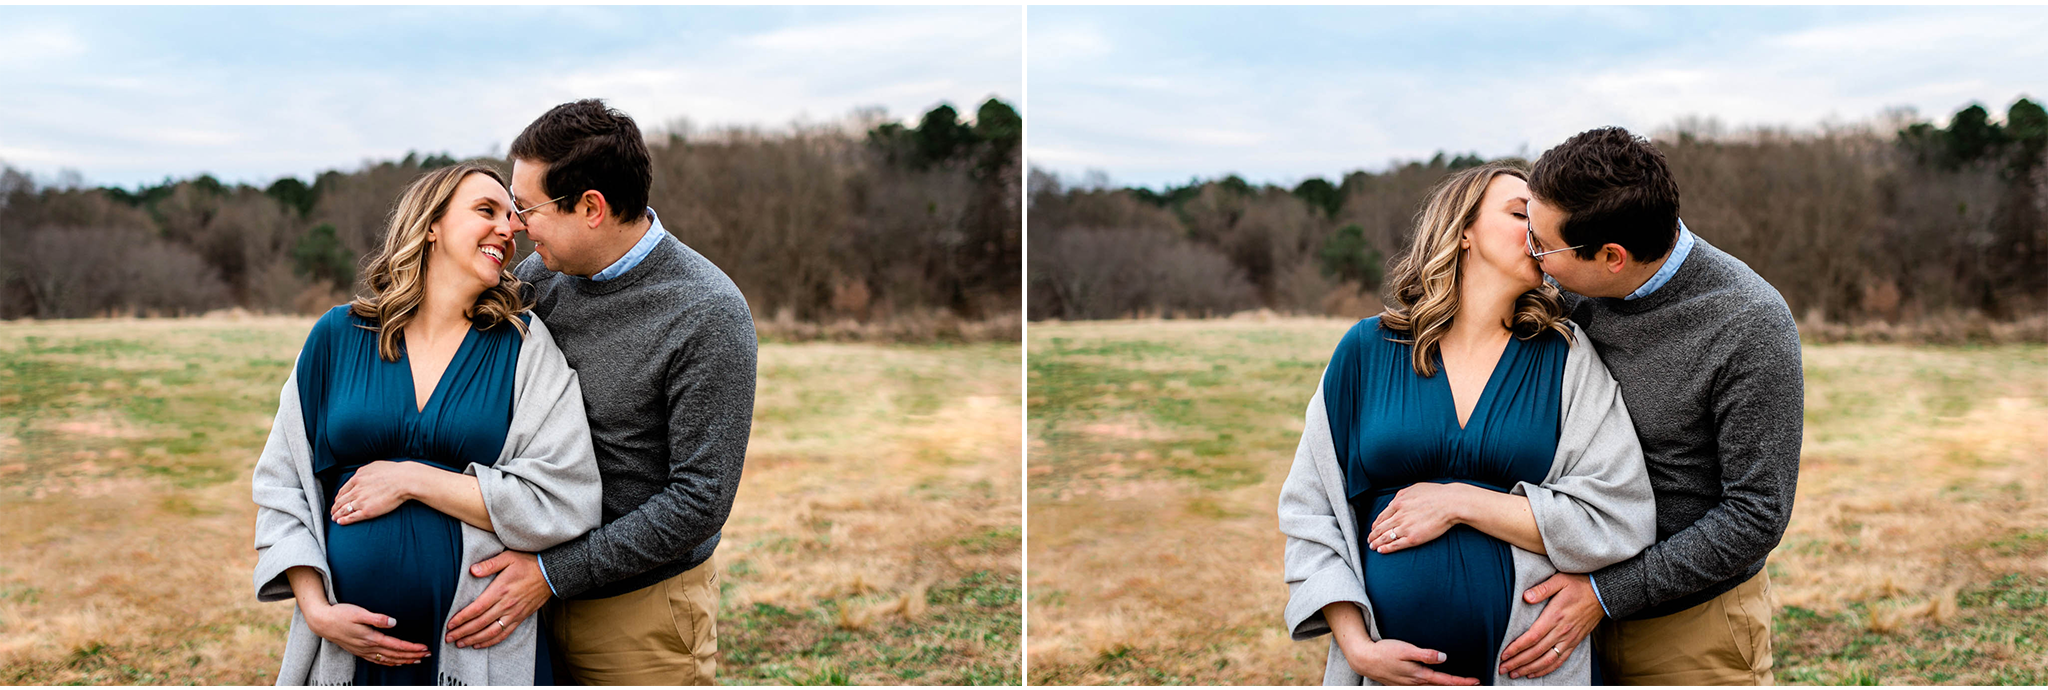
x=1473, y=502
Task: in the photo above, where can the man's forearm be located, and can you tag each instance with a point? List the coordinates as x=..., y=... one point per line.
x=1688, y=562
x=665, y=529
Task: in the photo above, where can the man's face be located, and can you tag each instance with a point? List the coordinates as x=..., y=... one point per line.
x=1572, y=273
x=554, y=232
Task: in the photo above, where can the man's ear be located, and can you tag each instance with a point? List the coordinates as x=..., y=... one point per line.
x=1613, y=257
x=594, y=208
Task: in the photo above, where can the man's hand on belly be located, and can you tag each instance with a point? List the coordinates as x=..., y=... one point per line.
x=1574, y=610
x=519, y=591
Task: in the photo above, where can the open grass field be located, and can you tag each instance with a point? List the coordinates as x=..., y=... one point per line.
x=875, y=540
x=1917, y=553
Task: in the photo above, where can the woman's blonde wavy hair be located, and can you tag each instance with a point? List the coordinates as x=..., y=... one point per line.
x=397, y=275
x=1424, y=285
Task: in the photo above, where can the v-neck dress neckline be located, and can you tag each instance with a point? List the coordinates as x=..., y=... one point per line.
x=412, y=384
x=1486, y=392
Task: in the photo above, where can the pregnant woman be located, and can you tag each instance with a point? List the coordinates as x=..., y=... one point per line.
x=1463, y=446
x=425, y=427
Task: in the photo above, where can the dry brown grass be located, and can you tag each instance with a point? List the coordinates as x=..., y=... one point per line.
x=1158, y=448
x=879, y=478
x=1154, y=469
x=915, y=327
x=1938, y=329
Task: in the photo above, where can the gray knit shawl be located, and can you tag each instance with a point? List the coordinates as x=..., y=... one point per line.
x=1595, y=508
x=544, y=490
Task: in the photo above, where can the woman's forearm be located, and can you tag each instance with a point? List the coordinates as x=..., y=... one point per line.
x=1503, y=516
x=453, y=493
x=307, y=587
x=1347, y=624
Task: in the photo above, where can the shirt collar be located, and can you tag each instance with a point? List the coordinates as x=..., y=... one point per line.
x=639, y=251
x=1679, y=251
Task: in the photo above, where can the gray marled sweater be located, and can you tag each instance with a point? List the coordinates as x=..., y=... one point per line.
x=1710, y=366
x=666, y=356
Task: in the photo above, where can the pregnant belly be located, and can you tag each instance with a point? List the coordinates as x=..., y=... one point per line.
x=403, y=564
x=1449, y=595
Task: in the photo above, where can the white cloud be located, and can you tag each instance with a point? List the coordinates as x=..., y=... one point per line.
x=1326, y=114
x=145, y=118
x=1060, y=44
x=24, y=47
x=1072, y=158
x=1208, y=136
x=878, y=35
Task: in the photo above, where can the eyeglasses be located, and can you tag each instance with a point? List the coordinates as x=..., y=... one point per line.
x=521, y=212
x=1529, y=239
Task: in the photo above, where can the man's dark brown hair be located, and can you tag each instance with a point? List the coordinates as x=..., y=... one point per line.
x=587, y=145
x=1613, y=186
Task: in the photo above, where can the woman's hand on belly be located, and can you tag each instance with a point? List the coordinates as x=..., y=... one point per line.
x=1419, y=514
x=355, y=629
x=376, y=489
x=1393, y=662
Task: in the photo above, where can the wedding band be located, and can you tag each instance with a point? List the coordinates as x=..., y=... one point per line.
x=378, y=657
x=1553, y=650
x=501, y=622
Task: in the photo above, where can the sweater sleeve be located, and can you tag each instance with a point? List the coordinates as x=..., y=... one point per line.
x=1759, y=416
x=710, y=391
x=1598, y=508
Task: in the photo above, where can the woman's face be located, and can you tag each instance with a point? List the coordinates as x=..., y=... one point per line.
x=1498, y=237
x=473, y=239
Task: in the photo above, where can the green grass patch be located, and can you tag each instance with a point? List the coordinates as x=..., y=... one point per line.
x=964, y=638
x=1995, y=639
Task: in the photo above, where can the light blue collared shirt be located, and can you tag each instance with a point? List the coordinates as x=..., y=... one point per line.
x=618, y=268
x=639, y=251
x=1663, y=275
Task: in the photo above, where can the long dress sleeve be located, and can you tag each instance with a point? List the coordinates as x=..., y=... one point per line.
x=291, y=522
x=287, y=510
x=1319, y=534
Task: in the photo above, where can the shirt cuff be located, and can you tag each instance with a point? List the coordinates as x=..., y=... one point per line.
x=551, y=583
x=1589, y=581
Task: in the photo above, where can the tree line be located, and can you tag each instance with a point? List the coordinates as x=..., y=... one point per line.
x=1868, y=223
x=815, y=223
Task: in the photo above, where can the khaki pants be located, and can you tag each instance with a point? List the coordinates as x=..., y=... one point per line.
x=663, y=634
x=1724, y=641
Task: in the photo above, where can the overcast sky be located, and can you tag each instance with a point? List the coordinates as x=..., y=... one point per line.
x=1157, y=95
x=129, y=95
